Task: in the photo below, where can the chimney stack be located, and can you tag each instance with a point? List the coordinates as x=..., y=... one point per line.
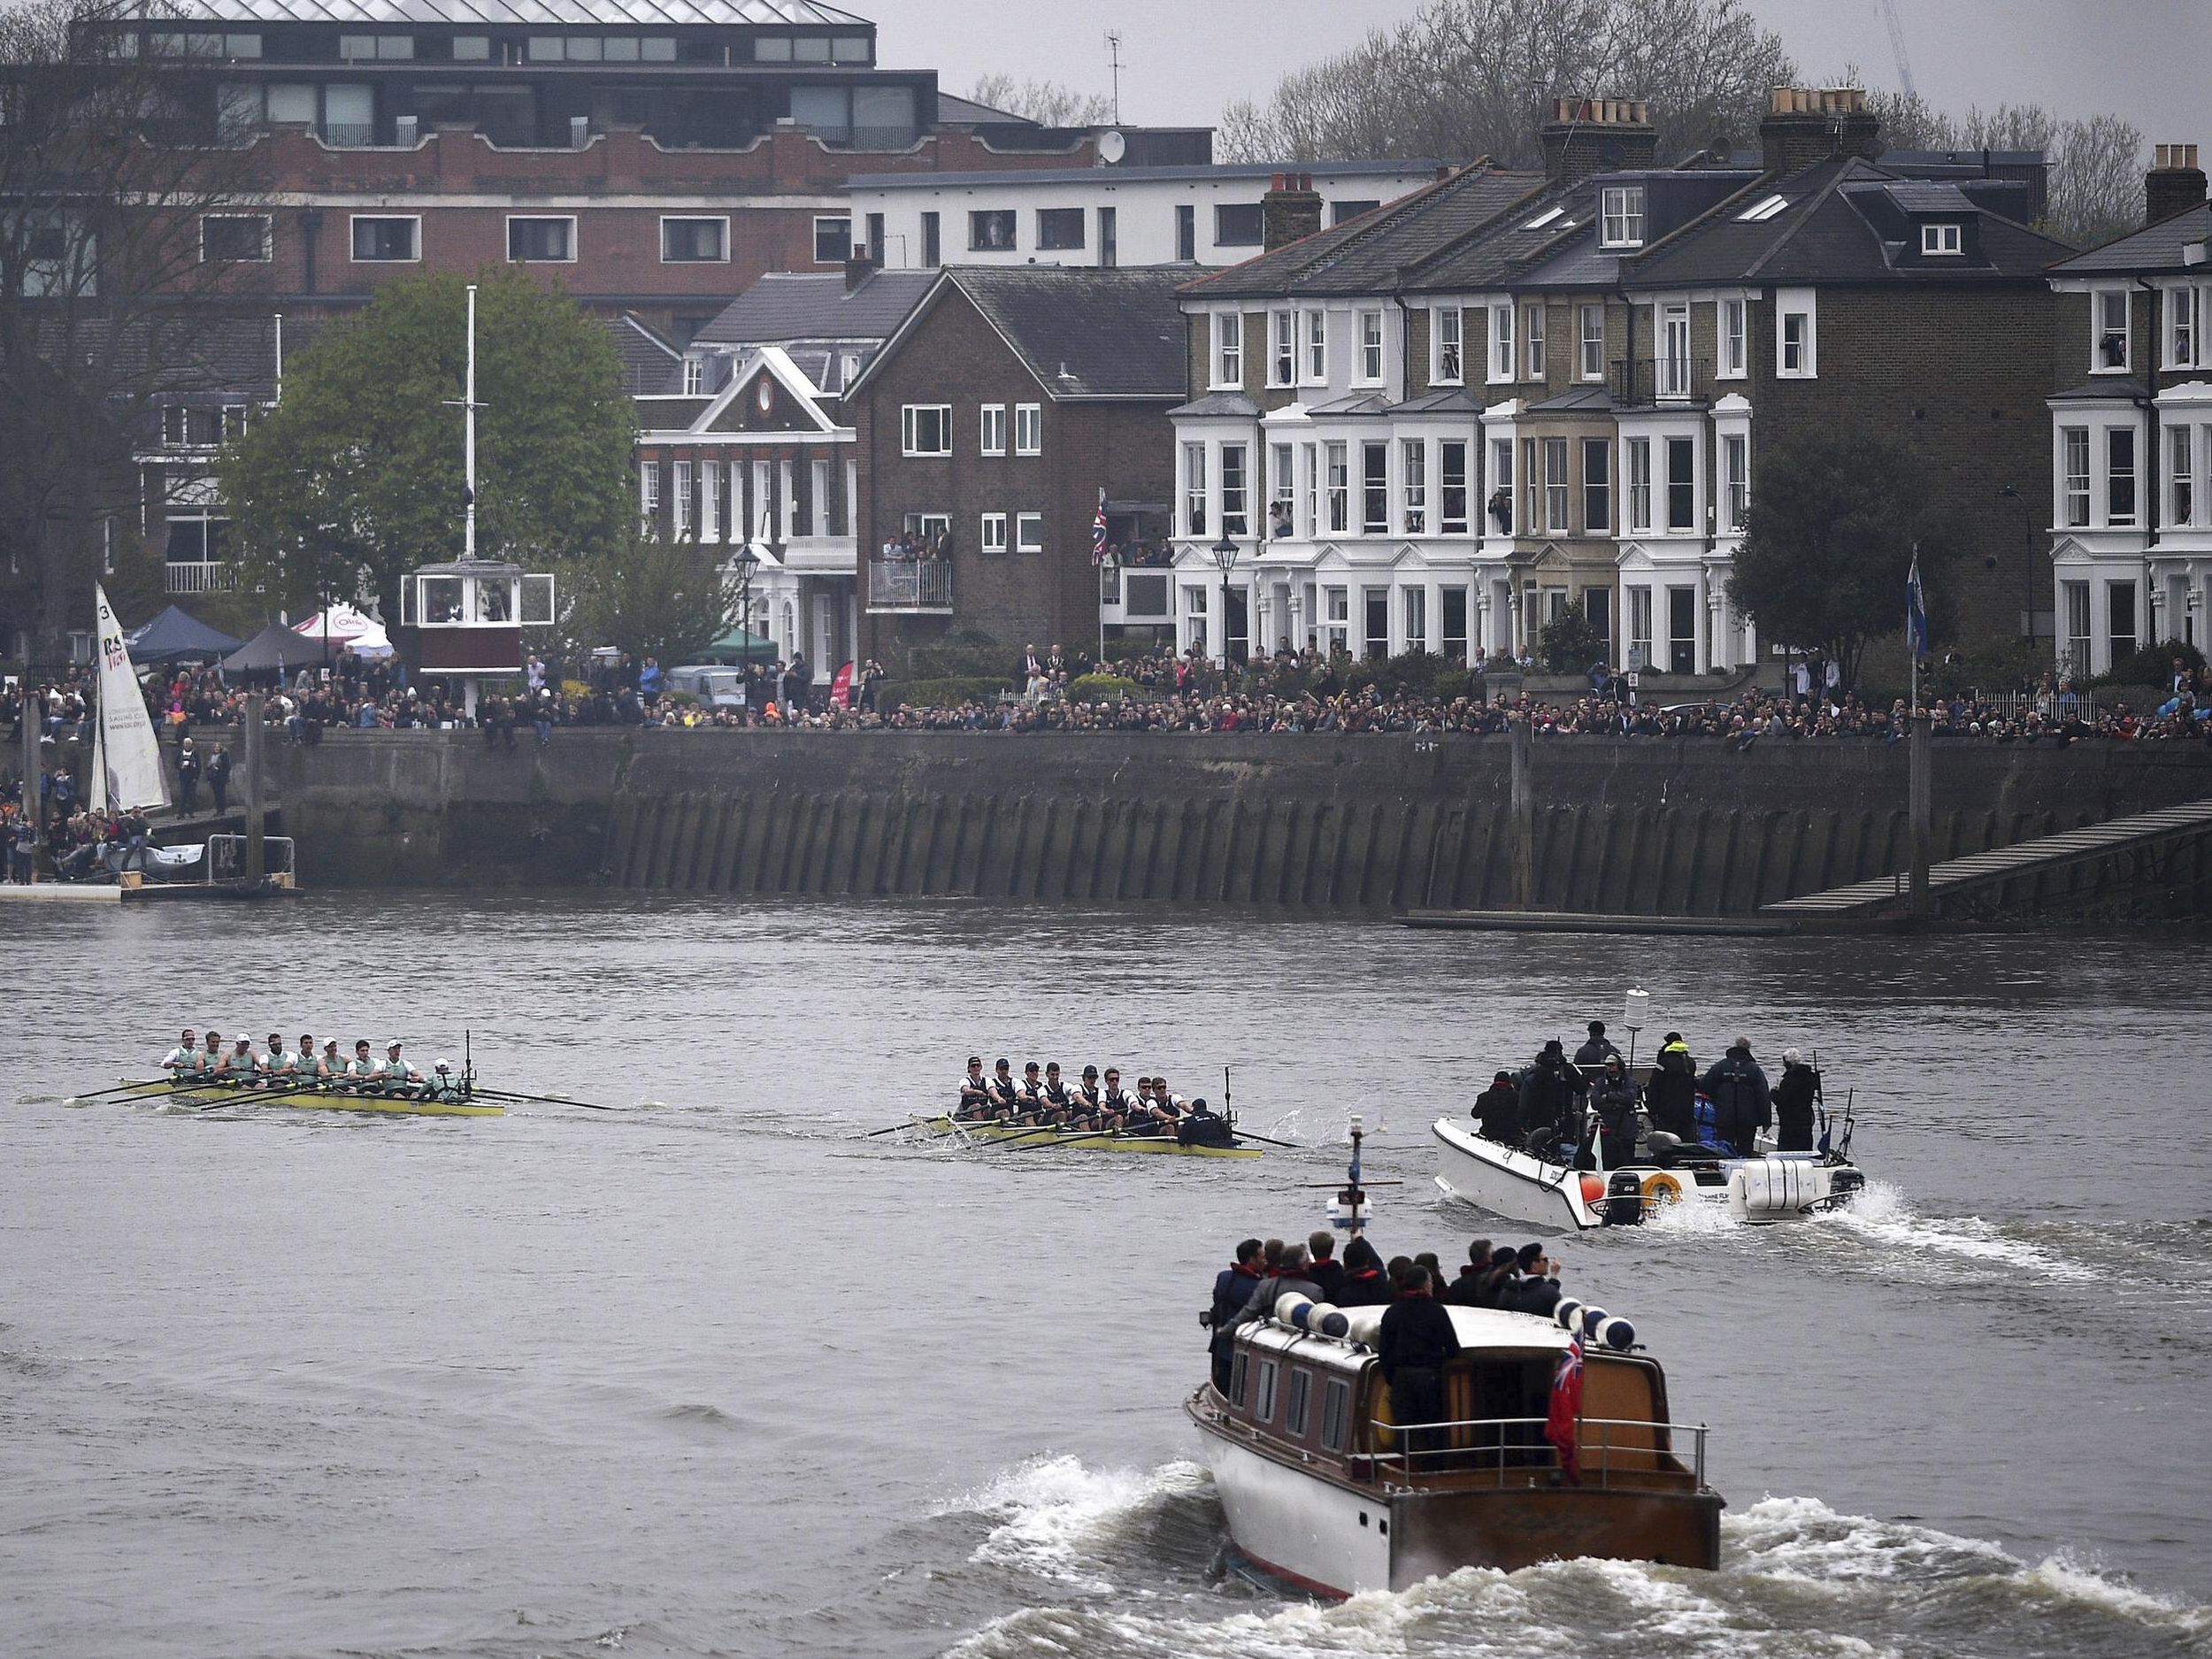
x=1805, y=125
x=1290, y=209
x=860, y=264
x=1588, y=135
x=2174, y=184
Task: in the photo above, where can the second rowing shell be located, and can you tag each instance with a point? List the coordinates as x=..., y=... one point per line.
x=1083, y=1140
x=208, y=1095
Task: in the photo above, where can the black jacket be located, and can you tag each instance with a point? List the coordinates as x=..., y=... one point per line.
x=1672, y=1095
x=1793, y=1108
x=1328, y=1274
x=1597, y=1051
x=1614, y=1101
x=1497, y=1113
x=1550, y=1095
x=1539, y=1296
x=1232, y=1288
x=1741, y=1105
x=1417, y=1334
x=1461, y=1292
x=1365, y=1284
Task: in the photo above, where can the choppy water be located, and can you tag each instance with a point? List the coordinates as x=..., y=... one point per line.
x=710, y=1376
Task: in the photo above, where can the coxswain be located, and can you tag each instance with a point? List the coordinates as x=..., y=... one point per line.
x=238, y=1066
x=1202, y=1126
x=395, y=1074
x=1597, y=1051
x=1005, y=1092
x=443, y=1086
x=183, y=1061
x=975, y=1091
x=363, y=1071
x=1793, y=1098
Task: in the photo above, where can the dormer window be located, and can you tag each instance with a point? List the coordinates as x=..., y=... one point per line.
x=1939, y=239
x=1621, y=216
x=1765, y=208
x=2109, y=347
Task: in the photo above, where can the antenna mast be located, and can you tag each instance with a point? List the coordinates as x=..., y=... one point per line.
x=1113, y=63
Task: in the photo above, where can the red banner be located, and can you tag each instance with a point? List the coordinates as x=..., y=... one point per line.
x=841, y=687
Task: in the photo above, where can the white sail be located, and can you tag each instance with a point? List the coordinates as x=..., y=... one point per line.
x=130, y=757
x=97, y=783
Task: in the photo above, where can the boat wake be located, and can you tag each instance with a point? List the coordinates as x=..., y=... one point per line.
x=1882, y=1216
x=1797, y=1578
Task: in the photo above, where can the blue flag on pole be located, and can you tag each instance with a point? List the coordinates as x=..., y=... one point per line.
x=1916, y=613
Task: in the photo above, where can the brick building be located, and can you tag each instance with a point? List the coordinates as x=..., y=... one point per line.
x=1007, y=410
x=1514, y=394
x=2131, y=431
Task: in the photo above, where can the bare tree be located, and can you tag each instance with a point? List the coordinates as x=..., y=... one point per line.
x=121, y=209
x=1466, y=78
x=1047, y=103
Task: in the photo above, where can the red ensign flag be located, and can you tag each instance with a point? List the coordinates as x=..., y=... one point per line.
x=1566, y=1409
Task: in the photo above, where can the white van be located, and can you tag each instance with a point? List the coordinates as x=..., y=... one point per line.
x=716, y=686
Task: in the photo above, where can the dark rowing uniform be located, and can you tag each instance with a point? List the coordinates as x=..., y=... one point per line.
x=1089, y=1105
x=975, y=1096
x=1057, y=1099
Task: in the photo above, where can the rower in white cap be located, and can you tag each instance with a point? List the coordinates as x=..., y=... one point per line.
x=443, y=1086
x=397, y=1075
x=238, y=1066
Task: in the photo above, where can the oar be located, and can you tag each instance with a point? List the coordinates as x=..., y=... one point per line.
x=120, y=1088
x=545, y=1100
x=1038, y=1136
x=1245, y=1135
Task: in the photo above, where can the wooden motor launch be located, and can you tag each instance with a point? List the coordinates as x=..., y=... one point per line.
x=1323, y=1489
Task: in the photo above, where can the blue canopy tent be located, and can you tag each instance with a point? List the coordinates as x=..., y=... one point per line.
x=176, y=634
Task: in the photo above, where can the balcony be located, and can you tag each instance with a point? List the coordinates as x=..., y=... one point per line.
x=914, y=586
x=1640, y=382
x=199, y=576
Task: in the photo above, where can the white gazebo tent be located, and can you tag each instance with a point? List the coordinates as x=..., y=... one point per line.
x=348, y=629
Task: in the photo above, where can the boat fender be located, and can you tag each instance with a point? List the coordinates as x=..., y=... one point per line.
x=1593, y=1317
x=1320, y=1319
x=1618, y=1334
x=1290, y=1309
x=1773, y=1186
x=1661, y=1188
x=1568, y=1313
x=1593, y=1189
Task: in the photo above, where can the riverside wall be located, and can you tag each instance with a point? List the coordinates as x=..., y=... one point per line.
x=1290, y=823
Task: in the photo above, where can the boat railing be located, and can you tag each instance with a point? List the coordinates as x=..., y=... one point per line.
x=1611, y=1451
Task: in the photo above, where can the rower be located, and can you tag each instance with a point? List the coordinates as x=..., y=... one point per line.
x=1116, y=1106
x=395, y=1074
x=975, y=1091
x=277, y=1064
x=183, y=1061
x=1005, y=1093
x=304, y=1068
x=443, y=1086
x=1165, y=1101
x=331, y=1066
x=363, y=1071
x=1058, y=1103
x=238, y=1064
x=211, y=1056
x=1029, y=1098
x=1090, y=1099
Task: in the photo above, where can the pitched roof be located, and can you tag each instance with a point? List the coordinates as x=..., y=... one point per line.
x=2162, y=246
x=1257, y=171
x=1364, y=256
x=1086, y=332
x=650, y=364
x=567, y=13
x=785, y=306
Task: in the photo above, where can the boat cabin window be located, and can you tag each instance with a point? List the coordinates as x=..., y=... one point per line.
x=1263, y=1407
x=1294, y=1407
x=1237, y=1377
x=1336, y=1409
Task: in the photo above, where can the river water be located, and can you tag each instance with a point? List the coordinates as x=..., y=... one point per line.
x=710, y=1375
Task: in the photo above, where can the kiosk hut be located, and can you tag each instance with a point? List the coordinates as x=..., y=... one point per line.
x=468, y=617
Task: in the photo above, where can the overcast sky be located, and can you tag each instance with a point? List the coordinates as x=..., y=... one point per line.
x=2145, y=59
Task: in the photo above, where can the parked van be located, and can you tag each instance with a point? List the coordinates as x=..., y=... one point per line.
x=715, y=685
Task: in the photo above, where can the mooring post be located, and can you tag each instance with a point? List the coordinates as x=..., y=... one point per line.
x=1920, y=811
x=34, y=803
x=1524, y=821
x=256, y=853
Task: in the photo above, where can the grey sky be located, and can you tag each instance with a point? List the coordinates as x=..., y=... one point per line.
x=2145, y=59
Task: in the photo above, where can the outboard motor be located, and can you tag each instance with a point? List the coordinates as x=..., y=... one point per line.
x=1844, y=1185
x=1623, y=1200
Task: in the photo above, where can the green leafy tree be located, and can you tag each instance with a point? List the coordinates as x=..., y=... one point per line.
x=1833, y=522
x=1571, y=641
x=664, y=599
x=358, y=476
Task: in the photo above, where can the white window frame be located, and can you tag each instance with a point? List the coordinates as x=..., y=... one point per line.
x=1282, y=349
x=710, y=500
x=1029, y=429
x=1372, y=361
x=268, y=238
x=909, y=425
x=1235, y=472
x=683, y=473
x=1636, y=474
x=1227, y=351
x=1313, y=342
x=1941, y=240
x=1600, y=524
x=1798, y=303
x=2184, y=305
x=1734, y=333
x=2133, y=474
x=1555, y=456
x=1735, y=480
x=1195, y=500
x=1413, y=486
x=695, y=218
x=991, y=429
x=1448, y=356
x=1621, y=216
x=694, y=376
x=2182, y=501
x=1590, y=345
x=1029, y=532
x=353, y=219
x=1501, y=360
x=2098, y=331
x=541, y=218
x=2077, y=489
x=1447, y=522
x=649, y=492
x=1533, y=341
x=991, y=533
x=1336, y=486
x=1281, y=486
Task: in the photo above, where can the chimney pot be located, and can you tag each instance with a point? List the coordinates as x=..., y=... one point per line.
x=1807, y=125
x=2175, y=183
x=1289, y=210
x=1588, y=135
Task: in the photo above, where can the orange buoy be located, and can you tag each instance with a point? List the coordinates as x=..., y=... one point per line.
x=1593, y=1188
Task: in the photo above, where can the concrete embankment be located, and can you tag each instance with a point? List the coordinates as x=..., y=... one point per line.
x=1300, y=822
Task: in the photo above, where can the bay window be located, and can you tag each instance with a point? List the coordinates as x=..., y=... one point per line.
x=1597, y=486
x=1374, y=466
x=1638, y=484
x=1735, y=478
x=1337, y=457
x=1194, y=490
x=2074, y=487
x=1452, y=458
x=2119, y=476
x=1413, y=477
x=1555, y=485
x=1233, y=520
x=1280, y=489
x=1681, y=484
x=2182, y=502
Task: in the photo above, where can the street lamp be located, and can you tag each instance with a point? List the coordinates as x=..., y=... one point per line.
x=1224, y=553
x=746, y=562
x=2027, y=563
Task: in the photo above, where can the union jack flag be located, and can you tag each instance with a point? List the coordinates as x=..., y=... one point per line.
x=1562, y=1427
x=1098, y=532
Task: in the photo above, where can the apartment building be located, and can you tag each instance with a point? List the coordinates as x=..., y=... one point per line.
x=2131, y=433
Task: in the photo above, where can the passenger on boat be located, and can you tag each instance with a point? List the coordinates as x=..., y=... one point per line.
x=1497, y=1111
x=1551, y=1098
x=1364, y=1285
x=1495, y=1289
x=1461, y=1291
x=183, y=1061
x=1413, y=1345
x=975, y=1091
x=1324, y=1270
x=1671, y=1096
x=1613, y=1097
x=1741, y=1103
x=1430, y=1260
x=1537, y=1289
x=1597, y=1051
x=1793, y=1098
x=1289, y=1277
x=1232, y=1287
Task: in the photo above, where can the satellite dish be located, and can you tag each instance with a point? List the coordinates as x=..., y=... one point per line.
x=1112, y=147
